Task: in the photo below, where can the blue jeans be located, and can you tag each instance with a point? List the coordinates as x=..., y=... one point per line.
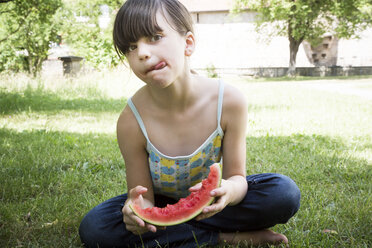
x=271, y=199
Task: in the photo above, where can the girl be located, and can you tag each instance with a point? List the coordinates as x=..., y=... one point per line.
x=169, y=134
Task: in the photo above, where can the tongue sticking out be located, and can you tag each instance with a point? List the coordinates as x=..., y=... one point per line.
x=159, y=66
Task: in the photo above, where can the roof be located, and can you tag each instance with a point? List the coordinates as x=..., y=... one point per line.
x=207, y=5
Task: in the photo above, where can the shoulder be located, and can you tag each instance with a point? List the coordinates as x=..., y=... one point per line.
x=126, y=121
x=234, y=99
x=234, y=109
x=128, y=129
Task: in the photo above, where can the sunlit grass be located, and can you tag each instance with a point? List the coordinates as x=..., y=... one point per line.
x=307, y=78
x=59, y=156
x=89, y=103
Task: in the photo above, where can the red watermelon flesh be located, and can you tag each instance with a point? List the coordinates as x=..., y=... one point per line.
x=186, y=208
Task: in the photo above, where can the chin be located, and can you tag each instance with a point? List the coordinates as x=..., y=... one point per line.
x=161, y=82
x=162, y=85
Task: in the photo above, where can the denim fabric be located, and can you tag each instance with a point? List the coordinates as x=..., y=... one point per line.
x=271, y=199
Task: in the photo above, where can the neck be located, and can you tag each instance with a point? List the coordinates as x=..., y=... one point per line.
x=178, y=96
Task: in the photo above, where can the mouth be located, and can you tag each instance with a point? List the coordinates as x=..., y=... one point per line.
x=158, y=66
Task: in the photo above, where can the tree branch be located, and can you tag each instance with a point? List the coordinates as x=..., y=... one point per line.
x=5, y=1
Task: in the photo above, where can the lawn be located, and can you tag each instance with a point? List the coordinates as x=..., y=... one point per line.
x=59, y=156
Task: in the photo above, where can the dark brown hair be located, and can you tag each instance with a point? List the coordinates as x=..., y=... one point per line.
x=137, y=19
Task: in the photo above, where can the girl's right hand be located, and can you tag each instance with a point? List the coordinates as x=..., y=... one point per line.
x=133, y=223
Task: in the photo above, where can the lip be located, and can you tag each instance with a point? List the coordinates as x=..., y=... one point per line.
x=158, y=66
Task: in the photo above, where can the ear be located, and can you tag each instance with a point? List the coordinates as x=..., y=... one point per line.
x=190, y=43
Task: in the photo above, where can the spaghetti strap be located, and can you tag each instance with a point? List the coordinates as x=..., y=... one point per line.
x=220, y=102
x=138, y=117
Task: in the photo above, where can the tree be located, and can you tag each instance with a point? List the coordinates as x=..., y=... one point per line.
x=309, y=20
x=85, y=36
x=27, y=28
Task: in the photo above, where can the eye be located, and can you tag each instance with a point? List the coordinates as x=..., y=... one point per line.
x=132, y=47
x=155, y=37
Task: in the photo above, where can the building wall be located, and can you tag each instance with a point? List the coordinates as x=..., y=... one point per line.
x=225, y=41
x=356, y=52
x=325, y=54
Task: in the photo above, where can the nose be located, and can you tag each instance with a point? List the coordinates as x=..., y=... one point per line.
x=143, y=50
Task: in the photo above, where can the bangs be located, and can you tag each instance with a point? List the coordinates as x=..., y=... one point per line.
x=134, y=22
x=137, y=19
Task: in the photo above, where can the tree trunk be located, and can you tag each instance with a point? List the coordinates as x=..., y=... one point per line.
x=38, y=66
x=30, y=66
x=293, y=49
x=294, y=43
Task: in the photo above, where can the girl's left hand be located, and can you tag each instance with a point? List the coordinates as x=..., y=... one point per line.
x=222, y=195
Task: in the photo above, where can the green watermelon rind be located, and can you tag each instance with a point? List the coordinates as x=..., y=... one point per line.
x=168, y=223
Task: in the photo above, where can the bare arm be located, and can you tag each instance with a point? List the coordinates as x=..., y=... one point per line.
x=234, y=185
x=132, y=145
x=234, y=122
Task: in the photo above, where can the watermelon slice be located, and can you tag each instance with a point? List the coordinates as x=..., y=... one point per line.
x=186, y=208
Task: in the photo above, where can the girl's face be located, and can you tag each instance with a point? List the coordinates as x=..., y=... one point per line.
x=160, y=60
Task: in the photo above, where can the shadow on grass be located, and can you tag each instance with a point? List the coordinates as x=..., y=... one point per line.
x=41, y=100
x=61, y=175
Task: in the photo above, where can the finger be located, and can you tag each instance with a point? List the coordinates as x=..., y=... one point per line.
x=210, y=211
x=130, y=218
x=218, y=206
x=137, y=191
x=139, y=232
x=218, y=192
x=132, y=228
x=134, y=220
x=136, y=230
x=205, y=216
x=151, y=228
x=196, y=187
x=126, y=210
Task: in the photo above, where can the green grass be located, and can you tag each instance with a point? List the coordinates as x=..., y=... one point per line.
x=59, y=156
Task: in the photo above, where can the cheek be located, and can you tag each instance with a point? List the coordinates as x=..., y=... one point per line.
x=177, y=56
x=133, y=65
x=130, y=60
x=176, y=49
x=135, y=69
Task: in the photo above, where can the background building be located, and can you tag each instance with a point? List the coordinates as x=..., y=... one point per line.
x=230, y=42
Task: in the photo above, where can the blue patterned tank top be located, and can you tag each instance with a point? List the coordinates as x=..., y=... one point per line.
x=173, y=176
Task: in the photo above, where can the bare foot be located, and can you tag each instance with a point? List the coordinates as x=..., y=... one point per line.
x=260, y=237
